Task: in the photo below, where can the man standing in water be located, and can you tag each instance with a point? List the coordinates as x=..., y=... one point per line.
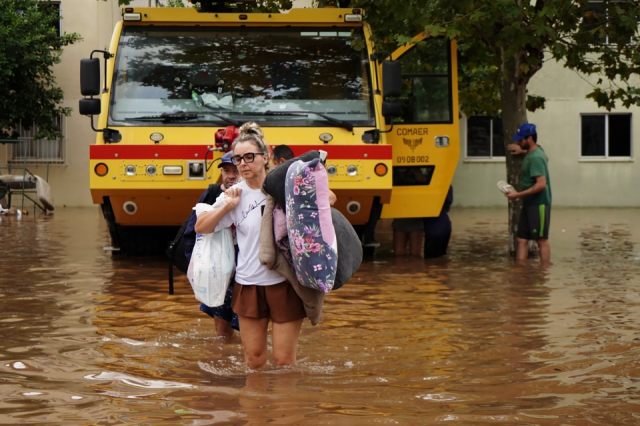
x=536, y=193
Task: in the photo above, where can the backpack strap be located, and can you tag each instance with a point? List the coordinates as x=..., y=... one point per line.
x=212, y=191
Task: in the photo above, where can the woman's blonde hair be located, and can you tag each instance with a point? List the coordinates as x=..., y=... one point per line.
x=251, y=132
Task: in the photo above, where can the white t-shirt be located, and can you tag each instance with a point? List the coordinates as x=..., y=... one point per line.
x=247, y=217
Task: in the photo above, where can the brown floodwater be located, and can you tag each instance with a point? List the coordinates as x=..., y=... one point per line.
x=88, y=338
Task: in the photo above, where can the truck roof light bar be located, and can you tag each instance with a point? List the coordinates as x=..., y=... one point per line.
x=352, y=18
x=132, y=16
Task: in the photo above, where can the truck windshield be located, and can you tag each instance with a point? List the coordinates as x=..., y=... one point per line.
x=241, y=73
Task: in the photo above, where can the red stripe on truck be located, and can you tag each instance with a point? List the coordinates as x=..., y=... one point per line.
x=191, y=152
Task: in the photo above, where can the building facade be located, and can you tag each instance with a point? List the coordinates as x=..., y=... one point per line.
x=591, y=151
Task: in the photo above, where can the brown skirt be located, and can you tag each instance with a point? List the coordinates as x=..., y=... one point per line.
x=280, y=302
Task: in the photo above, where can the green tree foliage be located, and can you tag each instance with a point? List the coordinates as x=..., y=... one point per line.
x=504, y=43
x=509, y=40
x=30, y=47
x=172, y=3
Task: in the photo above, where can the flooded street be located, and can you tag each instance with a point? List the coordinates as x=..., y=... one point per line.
x=88, y=338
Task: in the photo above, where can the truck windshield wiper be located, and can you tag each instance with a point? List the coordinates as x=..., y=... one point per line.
x=341, y=123
x=182, y=116
x=167, y=117
x=223, y=118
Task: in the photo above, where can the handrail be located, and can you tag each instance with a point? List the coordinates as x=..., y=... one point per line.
x=24, y=173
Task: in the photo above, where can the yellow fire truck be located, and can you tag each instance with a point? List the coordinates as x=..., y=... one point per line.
x=174, y=77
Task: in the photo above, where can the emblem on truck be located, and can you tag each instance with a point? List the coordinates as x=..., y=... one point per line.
x=412, y=143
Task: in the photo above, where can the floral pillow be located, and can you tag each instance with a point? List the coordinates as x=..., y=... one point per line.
x=312, y=237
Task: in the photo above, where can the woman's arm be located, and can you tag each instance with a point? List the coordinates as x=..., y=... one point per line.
x=207, y=221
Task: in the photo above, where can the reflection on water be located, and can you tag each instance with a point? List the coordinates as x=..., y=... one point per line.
x=473, y=338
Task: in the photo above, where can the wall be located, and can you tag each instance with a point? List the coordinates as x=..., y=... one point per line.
x=94, y=21
x=575, y=182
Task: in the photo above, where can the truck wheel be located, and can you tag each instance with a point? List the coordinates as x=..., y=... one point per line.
x=136, y=240
x=144, y=240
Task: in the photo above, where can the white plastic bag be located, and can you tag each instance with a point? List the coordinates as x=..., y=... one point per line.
x=212, y=262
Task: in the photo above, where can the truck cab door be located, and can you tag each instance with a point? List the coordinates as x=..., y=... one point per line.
x=426, y=136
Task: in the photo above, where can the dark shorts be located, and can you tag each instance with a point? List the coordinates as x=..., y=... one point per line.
x=410, y=224
x=280, y=302
x=534, y=222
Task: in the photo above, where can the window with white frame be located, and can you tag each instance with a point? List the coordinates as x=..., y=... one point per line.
x=605, y=135
x=35, y=151
x=598, y=17
x=484, y=137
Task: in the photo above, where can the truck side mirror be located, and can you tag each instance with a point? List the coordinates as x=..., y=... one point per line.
x=390, y=110
x=90, y=77
x=90, y=106
x=391, y=79
x=90, y=86
x=391, y=88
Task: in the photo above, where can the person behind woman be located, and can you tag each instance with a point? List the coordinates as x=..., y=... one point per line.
x=407, y=230
x=281, y=153
x=259, y=294
x=437, y=230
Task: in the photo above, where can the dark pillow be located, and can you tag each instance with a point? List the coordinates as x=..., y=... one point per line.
x=349, y=249
x=274, y=182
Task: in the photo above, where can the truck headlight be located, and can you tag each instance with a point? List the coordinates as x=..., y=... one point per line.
x=172, y=170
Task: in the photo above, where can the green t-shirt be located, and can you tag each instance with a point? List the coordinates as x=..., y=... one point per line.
x=535, y=164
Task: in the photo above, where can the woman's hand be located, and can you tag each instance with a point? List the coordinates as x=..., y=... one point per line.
x=233, y=195
x=207, y=221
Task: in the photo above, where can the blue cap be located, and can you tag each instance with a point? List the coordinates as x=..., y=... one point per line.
x=226, y=159
x=524, y=131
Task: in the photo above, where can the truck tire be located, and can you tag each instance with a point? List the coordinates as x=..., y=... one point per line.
x=144, y=240
x=136, y=240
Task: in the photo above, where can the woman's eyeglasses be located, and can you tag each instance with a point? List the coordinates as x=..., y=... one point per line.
x=249, y=157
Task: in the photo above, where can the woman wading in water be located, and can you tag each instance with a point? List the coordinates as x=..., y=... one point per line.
x=259, y=294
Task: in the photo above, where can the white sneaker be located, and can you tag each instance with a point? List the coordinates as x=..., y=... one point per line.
x=370, y=243
x=505, y=187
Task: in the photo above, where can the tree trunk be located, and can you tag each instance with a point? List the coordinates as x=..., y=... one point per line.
x=514, y=113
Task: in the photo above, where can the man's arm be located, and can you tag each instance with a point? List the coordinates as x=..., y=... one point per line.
x=540, y=185
x=515, y=149
x=332, y=198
